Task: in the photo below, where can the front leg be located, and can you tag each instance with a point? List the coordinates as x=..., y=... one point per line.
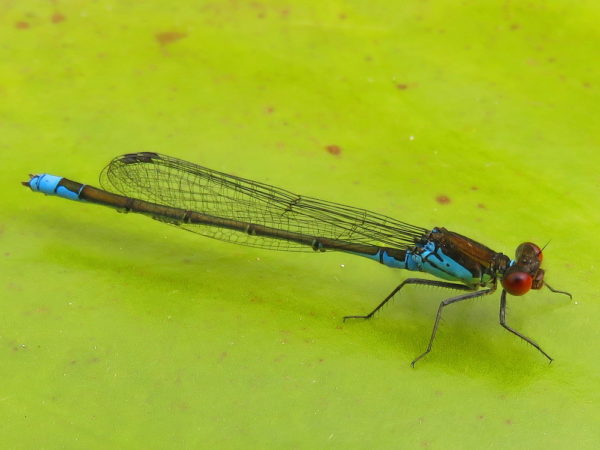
x=556, y=291
x=515, y=332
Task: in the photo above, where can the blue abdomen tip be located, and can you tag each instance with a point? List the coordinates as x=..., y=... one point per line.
x=50, y=185
x=45, y=183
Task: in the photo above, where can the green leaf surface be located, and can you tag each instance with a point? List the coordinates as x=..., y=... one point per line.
x=120, y=332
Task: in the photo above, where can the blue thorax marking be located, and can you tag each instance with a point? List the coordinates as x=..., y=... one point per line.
x=427, y=258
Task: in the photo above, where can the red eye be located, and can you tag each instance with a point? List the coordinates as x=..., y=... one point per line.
x=538, y=252
x=517, y=283
x=530, y=247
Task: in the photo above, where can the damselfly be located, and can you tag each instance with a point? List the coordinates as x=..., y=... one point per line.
x=246, y=212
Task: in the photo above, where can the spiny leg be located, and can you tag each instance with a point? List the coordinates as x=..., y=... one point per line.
x=515, y=332
x=445, y=303
x=420, y=281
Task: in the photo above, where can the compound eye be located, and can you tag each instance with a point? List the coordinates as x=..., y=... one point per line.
x=531, y=248
x=517, y=283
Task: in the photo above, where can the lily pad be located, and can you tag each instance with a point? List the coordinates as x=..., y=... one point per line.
x=122, y=332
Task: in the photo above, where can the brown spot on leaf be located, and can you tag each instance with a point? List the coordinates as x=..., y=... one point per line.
x=168, y=37
x=22, y=25
x=443, y=199
x=402, y=86
x=334, y=149
x=181, y=406
x=57, y=18
x=515, y=26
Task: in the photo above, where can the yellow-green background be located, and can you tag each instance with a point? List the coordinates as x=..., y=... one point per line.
x=120, y=332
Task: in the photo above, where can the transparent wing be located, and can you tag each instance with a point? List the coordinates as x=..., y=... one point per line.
x=169, y=181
